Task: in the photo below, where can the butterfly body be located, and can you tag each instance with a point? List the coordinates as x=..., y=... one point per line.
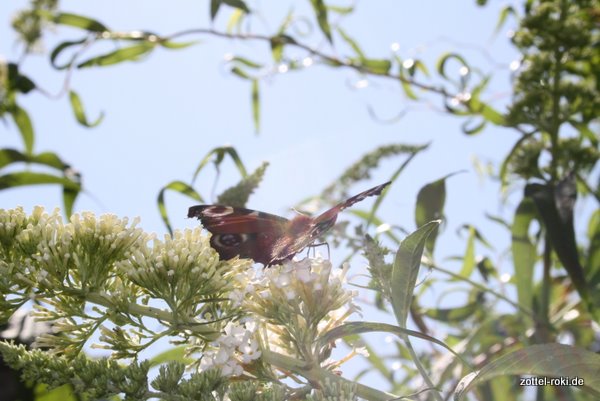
x=264, y=237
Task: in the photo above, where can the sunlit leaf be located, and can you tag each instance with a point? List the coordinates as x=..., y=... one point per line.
x=79, y=112
x=469, y=255
x=131, y=53
x=177, y=45
x=377, y=66
x=171, y=354
x=79, y=21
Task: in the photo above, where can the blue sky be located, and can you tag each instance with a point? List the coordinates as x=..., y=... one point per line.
x=165, y=113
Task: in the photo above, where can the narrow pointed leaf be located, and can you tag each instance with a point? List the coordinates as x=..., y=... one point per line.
x=177, y=186
x=523, y=251
x=321, y=14
x=217, y=155
x=59, y=49
x=79, y=112
x=214, y=8
x=406, y=268
x=28, y=178
x=79, y=21
x=555, y=205
x=256, y=105
x=131, y=53
x=23, y=122
x=239, y=4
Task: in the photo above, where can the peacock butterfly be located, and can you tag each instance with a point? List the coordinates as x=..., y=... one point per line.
x=264, y=237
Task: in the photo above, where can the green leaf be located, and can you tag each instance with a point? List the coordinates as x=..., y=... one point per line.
x=470, y=129
x=405, y=82
x=69, y=198
x=79, y=21
x=59, y=49
x=523, y=251
x=321, y=14
x=79, y=112
x=241, y=73
x=246, y=62
x=555, y=206
x=131, y=53
x=214, y=8
x=441, y=64
x=217, y=155
x=492, y=115
x=377, y=66
x=256, y=105
x=177, y=186
x=172, y=354
x=352, y=43
x=177, y=45
x=341, y=10
x=23, y=122
x=9, y=156
x=406, y=268
x=543, y=360
x=593, y=253
x=18, y=81
x=506, y=11
x=28, y=178
x=239, y=4
x=430, y=206
x=469, y=256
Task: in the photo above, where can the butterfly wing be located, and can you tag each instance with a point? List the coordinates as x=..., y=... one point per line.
x=238, y=231
x=304, y=231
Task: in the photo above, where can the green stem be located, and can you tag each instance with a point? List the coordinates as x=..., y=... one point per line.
x=204, y=330
x=317, y=374
x=421, y=369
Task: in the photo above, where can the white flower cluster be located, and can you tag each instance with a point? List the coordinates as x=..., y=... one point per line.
x=237, y=346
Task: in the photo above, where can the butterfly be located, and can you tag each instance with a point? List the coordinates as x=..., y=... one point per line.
x=263, y=237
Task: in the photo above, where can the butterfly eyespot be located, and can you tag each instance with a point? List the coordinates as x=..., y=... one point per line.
x=229, y=240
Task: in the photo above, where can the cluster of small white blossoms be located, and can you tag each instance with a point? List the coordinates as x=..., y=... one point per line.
x=236, y=346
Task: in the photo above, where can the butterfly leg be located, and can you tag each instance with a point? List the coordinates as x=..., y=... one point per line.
x=312, y=246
